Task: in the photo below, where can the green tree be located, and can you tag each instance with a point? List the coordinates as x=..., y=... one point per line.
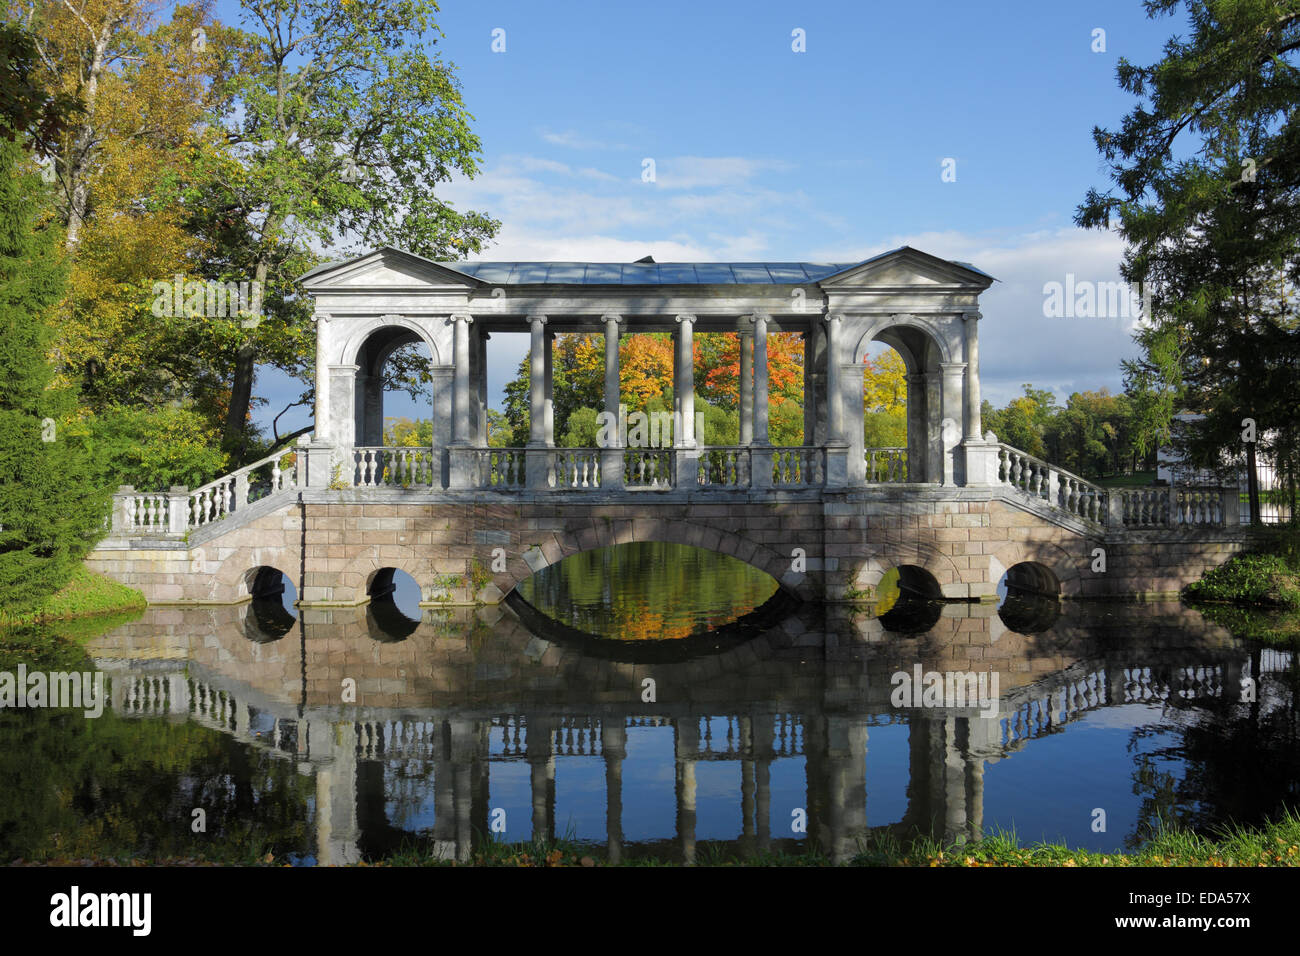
x=51, y=510
x=1024, y=422
x=1207, y=198
x=340, y=126
x=29, y=113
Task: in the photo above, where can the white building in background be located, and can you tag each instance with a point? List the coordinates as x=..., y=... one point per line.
x=1171, y=469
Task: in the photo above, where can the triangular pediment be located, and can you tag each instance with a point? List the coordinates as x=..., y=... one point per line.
x=908, y=268
x=386, y=268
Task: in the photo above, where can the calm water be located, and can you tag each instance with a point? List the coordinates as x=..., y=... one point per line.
x=667, y=738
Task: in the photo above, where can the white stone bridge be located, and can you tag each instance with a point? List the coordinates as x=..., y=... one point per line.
x=954, y=508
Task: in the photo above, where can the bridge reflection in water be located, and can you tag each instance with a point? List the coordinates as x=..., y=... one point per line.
x=473, y=712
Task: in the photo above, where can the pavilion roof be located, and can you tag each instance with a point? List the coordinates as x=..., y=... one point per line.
x=649, y=273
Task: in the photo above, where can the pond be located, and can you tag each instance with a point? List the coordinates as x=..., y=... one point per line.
x=648, y=701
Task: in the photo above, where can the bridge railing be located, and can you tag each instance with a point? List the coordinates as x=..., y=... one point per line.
x=649, y=469
x=395, y=466
x=1118, y=509
x=725, y=466
x=1056, y=486
x=799, y=466
x=1175, y=506
x=885, y=465
x=179, y=510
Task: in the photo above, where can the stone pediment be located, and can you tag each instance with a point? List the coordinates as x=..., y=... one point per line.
x=908, y=268
x=386, y=269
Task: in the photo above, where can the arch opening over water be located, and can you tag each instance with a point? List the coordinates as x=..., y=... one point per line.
x=1029, y=597
x=273, y=610
x=649, y=592
x=909, y=600
x=394, y=610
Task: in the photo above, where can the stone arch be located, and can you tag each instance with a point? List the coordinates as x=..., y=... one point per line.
x=265, y=619
x=907, y=320
x=1056, y=559
x=368, y=348
x=231, y=579
x=560, y=544
x=357, y=576
x=361, y=333
x=258, y=581
x=926, y=556
x=924, y=349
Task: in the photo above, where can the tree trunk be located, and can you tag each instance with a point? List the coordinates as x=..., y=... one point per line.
x=78, y=164
x=234, y=441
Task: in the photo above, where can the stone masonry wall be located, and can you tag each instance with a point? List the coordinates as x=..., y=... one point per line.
x=817, y=545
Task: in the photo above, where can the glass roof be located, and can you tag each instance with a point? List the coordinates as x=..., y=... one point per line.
x=650, y=273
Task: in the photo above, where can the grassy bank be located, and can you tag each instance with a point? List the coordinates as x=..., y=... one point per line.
x=1255, y=595
x=86, y=594
x=1277, y=844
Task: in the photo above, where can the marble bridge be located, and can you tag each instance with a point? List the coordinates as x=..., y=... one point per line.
x=954, y=509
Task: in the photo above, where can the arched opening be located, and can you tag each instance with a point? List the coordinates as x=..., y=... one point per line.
x=273, y=611
x=648, y=591
x=394, y=407
x=1029, y=597
x=394, y=610
x=909, y=600
x=902, y=406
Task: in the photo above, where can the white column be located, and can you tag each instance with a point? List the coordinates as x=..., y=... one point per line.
x=746, y=388
x=760, y=378
x=537, y=382
x=548, y=373
x=916, y=449
x=460, y=422
x=809, y=388
x=611, y=454
x=834, y=391
x=612, y=389
x=973, y=427
x=343, y=422
x=950, y=431
x=322, y=430
x=684, y=385
x=482, y=437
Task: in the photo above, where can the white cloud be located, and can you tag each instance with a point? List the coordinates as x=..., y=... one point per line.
x=1018, y=344
x=719, y=209
x=572, y=140
x=693, y=172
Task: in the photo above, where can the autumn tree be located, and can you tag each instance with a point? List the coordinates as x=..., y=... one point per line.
x=884, y=401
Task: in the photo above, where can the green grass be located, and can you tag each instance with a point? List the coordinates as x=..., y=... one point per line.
x=85, y=594
x=1138, y=479
x=1275, y=844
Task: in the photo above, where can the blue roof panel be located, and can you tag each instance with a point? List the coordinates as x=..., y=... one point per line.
x=657, y=273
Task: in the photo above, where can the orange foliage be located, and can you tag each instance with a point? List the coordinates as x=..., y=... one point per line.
x=722, y=370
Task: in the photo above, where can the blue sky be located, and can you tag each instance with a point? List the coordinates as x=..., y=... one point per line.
x=833, y=154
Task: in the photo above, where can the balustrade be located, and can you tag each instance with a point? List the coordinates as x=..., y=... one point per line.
x=576, y=468
x=885, y=465
x=725, y=466
x=501, y=469
x=798, y=467
x=648, y=468
x=395, y=467
x=1056, y=486
x=181, y=510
